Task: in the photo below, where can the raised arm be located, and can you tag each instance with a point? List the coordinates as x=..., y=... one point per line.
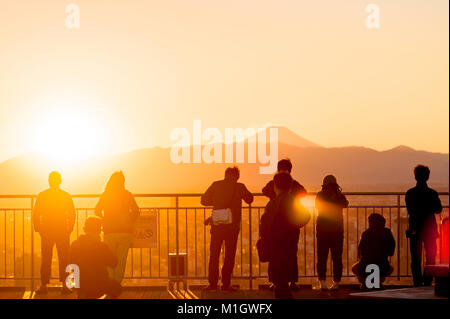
x=71, y=214
x=36, y=215
x=207, y=197
x=134, y=208
x=269, y=191
x=437, y=205
x=246, y=195
x=343, y=201
x=99, y=207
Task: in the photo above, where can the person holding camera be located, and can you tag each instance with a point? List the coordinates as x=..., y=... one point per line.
x=422, y=204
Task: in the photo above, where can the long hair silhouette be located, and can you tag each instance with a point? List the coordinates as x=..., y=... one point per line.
x=115, y=184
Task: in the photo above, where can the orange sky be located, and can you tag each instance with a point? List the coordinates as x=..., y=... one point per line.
x=137, y=69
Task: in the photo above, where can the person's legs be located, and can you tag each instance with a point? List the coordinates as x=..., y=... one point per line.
x=230, y=254
x=337, y=244
x=214, y=254
x=123, y=245
x=322, y=255
x=293, y=278
x=415, y=246
x=430, y=258
x=63, y=247
x=282, y=291
x=47, y=243
x=111, y=241
x=281, y=276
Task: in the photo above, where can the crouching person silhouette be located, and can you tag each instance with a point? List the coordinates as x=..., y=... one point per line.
x=279, y=226
x=93, y=257
x=375, y=247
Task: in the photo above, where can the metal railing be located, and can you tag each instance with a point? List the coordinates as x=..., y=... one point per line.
x=181, y=230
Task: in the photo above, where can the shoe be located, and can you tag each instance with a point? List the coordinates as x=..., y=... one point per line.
x=65, y=291
x=294, y=287
x=334, y=286
x=228, y=288
x=43, y=290
x=210, y=288
x=322, y=285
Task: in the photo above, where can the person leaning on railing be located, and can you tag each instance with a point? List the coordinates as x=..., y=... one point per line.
x=119, y=211
x=226, y=198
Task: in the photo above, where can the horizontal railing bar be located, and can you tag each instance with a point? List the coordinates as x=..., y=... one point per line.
x=207, y=207
x=200, y=194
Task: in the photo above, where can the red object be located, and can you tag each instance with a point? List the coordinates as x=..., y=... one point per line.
x=444, y=241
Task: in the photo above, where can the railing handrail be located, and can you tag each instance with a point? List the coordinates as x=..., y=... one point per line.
x=200, y=194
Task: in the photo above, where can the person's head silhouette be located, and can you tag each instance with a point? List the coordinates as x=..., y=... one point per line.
x=54, y=179
x=421, y=173
x=376, y=221
x=330, y=183
x=116, y=182
x=232, y=173
x=285, y=166
x=282, y=182
x=93, y=225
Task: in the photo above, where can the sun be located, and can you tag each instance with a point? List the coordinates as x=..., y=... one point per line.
x=68, y=134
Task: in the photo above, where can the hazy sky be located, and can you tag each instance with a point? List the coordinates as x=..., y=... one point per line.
x=136, y=69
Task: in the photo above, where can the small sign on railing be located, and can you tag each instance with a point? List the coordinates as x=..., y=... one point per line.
x=146, y=230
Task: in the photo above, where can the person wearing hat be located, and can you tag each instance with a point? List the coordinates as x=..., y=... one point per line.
x=376, y=245
x=330, y=230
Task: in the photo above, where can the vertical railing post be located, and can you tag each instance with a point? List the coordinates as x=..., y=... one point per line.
x=398, y=236
x=32, y=244
x=250, y=244
x=177, y=249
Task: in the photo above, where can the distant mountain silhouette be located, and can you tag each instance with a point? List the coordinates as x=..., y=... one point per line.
x=151, y=170
x=286, y=136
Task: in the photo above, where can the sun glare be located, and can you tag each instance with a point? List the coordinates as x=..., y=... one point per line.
x=308, y=201
x=66, y=134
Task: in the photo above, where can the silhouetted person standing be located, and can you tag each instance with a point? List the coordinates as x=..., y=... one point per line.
x=375, y=247
x=54, y=218
x=330, y=230
x=93, y=257
x=119, y=213
x=285, y=166
x=280, y=223
x=422, y=204
x=223, y=195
